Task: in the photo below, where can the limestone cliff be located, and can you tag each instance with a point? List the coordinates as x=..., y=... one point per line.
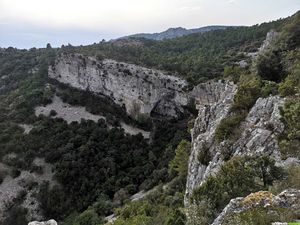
x=138, y=89
x=258, y=135
x=213, y=101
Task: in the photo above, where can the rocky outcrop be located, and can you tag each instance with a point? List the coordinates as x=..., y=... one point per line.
x=258, y=136
x=49, y=222
x=288, y=200
x=271, y=37
x=213, y=100
x=138, y=89
x=258, y=131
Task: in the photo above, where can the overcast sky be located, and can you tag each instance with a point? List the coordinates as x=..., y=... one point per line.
x=34, y=23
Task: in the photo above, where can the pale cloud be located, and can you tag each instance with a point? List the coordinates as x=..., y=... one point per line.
x=80, y=13
x=92, y=20
x=231, y=1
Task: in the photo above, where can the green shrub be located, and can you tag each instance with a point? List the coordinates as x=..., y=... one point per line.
x=262, y=216
x=291, y=84
x=233, y=73
x=88, y=217
x=238, y=177
x=53, y=113
x=289, y=141
x=228, y=127
x=249, y=89
x=201, y=213
x=204, y=156
x=16, y=216
x=269, y=88
x=269, y=65
x=291, y=180
x=180, y=161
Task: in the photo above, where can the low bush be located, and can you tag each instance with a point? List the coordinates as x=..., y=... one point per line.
x=289, y=140
x=238, y=177
x=249, y=89
x=228, y=127
x=204, y=156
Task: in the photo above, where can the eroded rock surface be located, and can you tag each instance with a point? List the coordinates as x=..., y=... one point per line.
x=288, y=200
x=23, y=189
x=49, y=222
x=140, y=90
x=258, y=136
x=213, y=101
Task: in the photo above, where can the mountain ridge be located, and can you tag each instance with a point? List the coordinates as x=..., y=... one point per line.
x=174, y=32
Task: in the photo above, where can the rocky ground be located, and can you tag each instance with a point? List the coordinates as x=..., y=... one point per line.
x=266, y=202
x=23, y=188
x=75, y=113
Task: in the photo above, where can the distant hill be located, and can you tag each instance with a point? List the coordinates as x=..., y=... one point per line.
x=175, y=32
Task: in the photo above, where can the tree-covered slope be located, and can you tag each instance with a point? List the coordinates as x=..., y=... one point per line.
x=196, y=57
x=97, y=166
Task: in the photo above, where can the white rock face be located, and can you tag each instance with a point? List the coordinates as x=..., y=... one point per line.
x=213, y=100
x=271, y=37
x=258, y=136
x=140, y=90
x=49, y=222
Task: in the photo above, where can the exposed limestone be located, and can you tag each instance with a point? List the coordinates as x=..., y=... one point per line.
x=140, y=90
x=258, y=136
x=66, y=111
x=271, y=37
x=259, y=131
x=24, y=188
x=213, y=99
x=27, y=128
x=71, y=114
x=261, y=128
x=286, y=200
x=267, y=44
x=49, y=222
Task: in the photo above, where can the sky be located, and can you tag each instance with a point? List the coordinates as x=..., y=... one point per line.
x=34, y=23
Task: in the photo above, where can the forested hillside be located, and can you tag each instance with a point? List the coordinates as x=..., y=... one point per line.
x=97, y=166
x=196, y=57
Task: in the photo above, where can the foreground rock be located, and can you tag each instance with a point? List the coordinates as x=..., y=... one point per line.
x=140, y=90
x=49, y=222
x=287, y=202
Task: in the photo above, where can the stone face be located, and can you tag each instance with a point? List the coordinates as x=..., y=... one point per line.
x=261, y=128
x=258, y=135
x=213, y=100
x=288, y=199
x=271, y=37
x=49, y=222
x=139, y=89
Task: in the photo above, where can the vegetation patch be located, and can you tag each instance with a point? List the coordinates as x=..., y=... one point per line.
x=238, y=177
x=257, y=197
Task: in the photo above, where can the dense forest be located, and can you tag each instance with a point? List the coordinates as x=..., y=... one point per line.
x=98, y=169
x=196, y=57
